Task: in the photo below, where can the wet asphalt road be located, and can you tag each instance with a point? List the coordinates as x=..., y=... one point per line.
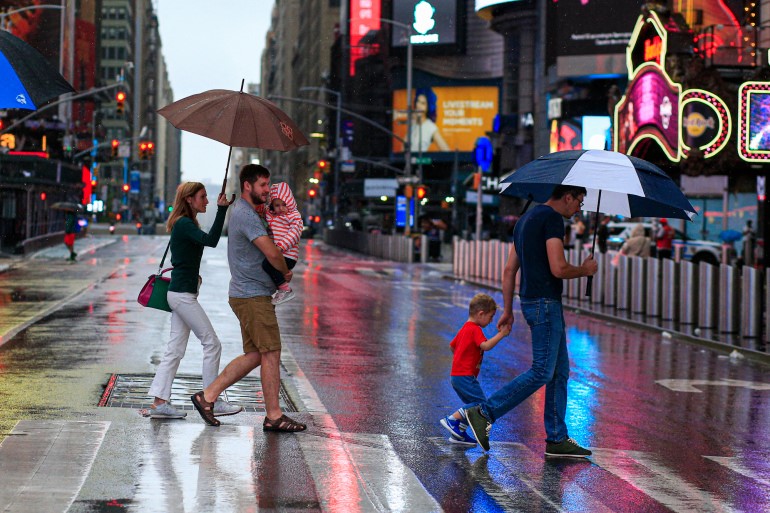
x=674, y=427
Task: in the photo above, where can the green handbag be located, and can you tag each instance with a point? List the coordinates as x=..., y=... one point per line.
x=154, y=293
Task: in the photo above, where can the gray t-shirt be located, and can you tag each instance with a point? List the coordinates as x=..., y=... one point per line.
x=247, y=278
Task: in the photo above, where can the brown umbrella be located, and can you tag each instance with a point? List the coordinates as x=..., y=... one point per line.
x=237, y=119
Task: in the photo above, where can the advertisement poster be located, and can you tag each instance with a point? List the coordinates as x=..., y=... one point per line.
x=591, y=27
x=432, y=23
x=445, y=118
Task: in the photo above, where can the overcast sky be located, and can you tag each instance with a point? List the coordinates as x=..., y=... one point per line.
x=210, y=45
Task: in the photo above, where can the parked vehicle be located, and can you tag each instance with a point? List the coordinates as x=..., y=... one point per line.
x=693, y=250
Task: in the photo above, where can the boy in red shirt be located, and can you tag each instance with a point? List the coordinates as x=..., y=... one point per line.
x=468, y=347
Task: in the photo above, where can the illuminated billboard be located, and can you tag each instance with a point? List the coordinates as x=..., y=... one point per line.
x=754, y=122
x=445, y=118
x=432, y=22
x=364, y=17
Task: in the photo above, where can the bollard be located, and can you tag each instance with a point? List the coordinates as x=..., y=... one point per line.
x=424, y=249
x=652, y=289
x=638, y=271
x=603, y=260
x=678, y=250
x=623, y=285
x=610, y=279
x=707, y=296
x=669, y=284
x=687, y=299
x=574, y=285
x=455, y=255
x=729, y=295
x=751, y=307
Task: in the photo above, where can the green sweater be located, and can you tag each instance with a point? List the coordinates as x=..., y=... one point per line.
x=187, y=242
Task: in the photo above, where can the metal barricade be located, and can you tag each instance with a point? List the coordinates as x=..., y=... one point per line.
x=652, y=287
x=729, y=297
x=688, y=280
x=669, y=284
x=751, y=308
x=638, y=288
x=623, y=285
x=707, y=296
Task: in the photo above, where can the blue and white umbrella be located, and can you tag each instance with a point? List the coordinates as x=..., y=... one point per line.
x=616, y=184
x=27, y=80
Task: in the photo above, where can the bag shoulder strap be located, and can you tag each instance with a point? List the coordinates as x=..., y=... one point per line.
x=164, y=255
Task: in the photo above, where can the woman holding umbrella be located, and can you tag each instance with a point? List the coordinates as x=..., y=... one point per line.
x=187, y=243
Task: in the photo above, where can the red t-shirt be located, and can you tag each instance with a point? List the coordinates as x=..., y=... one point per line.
x=468, y=354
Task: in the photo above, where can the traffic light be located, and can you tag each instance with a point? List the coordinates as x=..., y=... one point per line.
x=93, y=182
x=150, y=149
x=408, y=190
x=422, y=192
x=120, y=99
x=125, y=187
x=115, y=146
x=312, y=193
x=43, y=196
x=142, y=150
x=323, y=165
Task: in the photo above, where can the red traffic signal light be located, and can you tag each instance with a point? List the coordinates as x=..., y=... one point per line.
x=323, y=165
x=43, y=196
x=115, y=146
x=93, y=182
x=422, y=191
x=312, y=193
x=120, y=99
x=150, y=149
x=125, y=187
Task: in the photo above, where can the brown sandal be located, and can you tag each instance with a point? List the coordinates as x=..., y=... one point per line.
x=283, y=424
x=205, y=408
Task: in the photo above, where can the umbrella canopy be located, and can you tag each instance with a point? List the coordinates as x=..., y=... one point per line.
x=629, y=186
x=237, y=119
x=67, y=206
x=27, y=80
x=730, y=235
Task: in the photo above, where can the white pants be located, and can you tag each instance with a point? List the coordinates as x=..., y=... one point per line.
x=186, y=314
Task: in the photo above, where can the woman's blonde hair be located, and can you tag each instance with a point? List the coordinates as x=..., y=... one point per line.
x=181, y=207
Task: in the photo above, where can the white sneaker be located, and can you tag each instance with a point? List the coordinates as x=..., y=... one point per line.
x=223, y=408
x=282, y=296
x=166, y=411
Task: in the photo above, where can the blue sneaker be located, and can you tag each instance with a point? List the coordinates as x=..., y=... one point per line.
x=467, y=440
x=453, y=426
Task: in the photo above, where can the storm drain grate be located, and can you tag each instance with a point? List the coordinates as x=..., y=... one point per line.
x=130, y=391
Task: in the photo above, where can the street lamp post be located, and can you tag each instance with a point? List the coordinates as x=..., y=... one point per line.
x=338, y=146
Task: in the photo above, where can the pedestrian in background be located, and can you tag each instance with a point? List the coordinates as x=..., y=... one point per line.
x=285, y=224
x=186, y=246
x=579, y=231
x=603, y=234
x=468, y=347
x=664, y=239
x=70, y=228
x=538, y=250
x=638, y=244
x=251, y=290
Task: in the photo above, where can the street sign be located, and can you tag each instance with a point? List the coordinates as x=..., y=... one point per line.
x=376, y=187
x=425, y=161
x=124, y=151
x=347, y=167
x=404, y=180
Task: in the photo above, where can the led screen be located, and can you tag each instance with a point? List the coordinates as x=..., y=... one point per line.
x=432, y=22
x=759, y=121
x=595, y=132
x=590, y=27
x=445, y=118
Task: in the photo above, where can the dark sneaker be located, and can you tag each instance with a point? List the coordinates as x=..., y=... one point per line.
x=568, y=448
x=479, y=426
x=453, y=426
x=467, y=440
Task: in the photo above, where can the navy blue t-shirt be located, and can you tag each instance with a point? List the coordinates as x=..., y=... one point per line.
x=529, y=237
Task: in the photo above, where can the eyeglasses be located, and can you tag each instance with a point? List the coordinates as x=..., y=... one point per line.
x=581, y=203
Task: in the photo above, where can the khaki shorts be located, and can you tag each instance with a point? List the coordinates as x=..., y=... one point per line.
x=259, y=325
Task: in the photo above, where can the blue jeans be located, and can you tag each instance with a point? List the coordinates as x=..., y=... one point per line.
x=550, y=367
x=468, y=390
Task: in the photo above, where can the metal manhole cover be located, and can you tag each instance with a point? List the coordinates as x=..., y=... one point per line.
x=130, y=391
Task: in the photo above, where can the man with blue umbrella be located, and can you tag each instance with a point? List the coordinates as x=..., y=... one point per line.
x=538, y=250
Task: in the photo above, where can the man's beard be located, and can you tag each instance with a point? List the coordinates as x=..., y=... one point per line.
x=257, y=199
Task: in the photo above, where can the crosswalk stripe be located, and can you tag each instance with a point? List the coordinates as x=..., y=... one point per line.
x=735, y=465
x=45, y=463
x=641, y=471
x=362, y=473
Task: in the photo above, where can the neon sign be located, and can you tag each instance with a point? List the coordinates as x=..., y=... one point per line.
x=754, y=122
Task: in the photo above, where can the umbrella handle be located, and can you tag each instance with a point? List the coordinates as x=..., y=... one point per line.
x=589, y=286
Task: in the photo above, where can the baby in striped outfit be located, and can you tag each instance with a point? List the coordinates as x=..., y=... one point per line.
x=285, y=224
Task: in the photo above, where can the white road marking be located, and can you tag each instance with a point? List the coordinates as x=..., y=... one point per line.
x=641, y=471
x=735, y=465
x=688, y=385
x=44, y=464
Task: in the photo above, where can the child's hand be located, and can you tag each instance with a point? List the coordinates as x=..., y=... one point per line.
x=504, y=330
